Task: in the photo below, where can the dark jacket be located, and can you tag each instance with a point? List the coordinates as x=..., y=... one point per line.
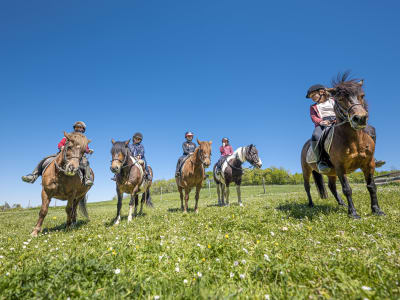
x=136, y=150
x=188, y=147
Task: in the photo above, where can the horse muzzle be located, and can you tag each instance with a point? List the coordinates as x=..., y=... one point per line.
x=70, y=170
x=359, y=121
x=115, y=170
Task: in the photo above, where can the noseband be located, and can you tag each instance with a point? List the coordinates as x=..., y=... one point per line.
x=64, y=156
x=343, y=113
x=202, y=156
x=124, y=161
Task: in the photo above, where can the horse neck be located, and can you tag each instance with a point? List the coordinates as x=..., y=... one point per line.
x=195, y=160
x=239, y=155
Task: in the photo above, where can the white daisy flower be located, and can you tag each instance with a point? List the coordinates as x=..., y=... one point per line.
x=242, y=276
x=199, y=274
x=366, y=288
x=117, y=271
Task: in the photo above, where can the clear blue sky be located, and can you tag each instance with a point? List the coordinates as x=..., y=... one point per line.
x=219, y=68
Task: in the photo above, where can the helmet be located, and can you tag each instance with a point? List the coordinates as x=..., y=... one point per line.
x=138, y=135
x=225, y=138
x=80, y=123
x=314, y=88
x=188, y=133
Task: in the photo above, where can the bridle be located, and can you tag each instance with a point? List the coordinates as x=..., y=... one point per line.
x=343, y=113
x=202, y=156
x=65, y=161
x=123, y=163
x=252, y=161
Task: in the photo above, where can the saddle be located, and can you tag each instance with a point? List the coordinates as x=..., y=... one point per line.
x=325, y=142
x=183, y=162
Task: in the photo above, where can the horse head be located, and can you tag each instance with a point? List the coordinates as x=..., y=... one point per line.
x=204, y=152
x=251, y=155
x=120, y=154
x=73, y=151
x=350, y=105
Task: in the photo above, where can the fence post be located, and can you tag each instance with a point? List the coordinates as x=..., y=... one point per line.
x=263, y=180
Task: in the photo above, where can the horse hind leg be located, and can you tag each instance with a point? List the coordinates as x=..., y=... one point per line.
x=227, y=194
x=181, y=197
x=119, y=205
x=239, y=195
x=187, y=191
x=197, y=196
x=42, y=213
x=332, y=187
x=144, y=196
x=131, y=203
x=306, y=178
x=219, y=194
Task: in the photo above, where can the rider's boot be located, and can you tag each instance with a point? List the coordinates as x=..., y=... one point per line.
x=148, y=175
x=87, y=177
x=323, y=167
x=379, y=163
x=31, y=178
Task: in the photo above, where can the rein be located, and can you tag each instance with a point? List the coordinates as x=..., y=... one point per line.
x=343, y=113
x=122, y=162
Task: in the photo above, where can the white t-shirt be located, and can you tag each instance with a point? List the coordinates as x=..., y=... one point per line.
x=326, y=109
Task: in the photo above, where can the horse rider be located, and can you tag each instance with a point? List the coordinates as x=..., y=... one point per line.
x=226, y=150
x=323, y=115
x=137, y=151
x=188, y=148
x=83, y=165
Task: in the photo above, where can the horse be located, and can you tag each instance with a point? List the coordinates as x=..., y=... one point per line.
x=193, y=173
x=130, y=179
x=61, y=180
x=231, y=171
x=351, y=148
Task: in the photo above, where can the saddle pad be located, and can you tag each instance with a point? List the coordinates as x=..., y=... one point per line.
x=327, y=146
x=183, y=161
x=144, y=181
x=47, y=163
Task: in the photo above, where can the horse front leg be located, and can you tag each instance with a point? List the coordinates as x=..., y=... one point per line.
x=42, y=213
x=68, y=210
x=197, y=196
x=332, y=187
x=119, y=205
x=219, y=194
x=223, y=194
x=239, y=195
x=141, y=203
x=187, y=191
x=348, y=193
x=181, y=197
x=131, y=204
x=369, y=179
x=227, y=194
x=74, y=212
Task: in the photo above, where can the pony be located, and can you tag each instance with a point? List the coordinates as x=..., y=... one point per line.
x=130, y=179
x=351, y=148
x=231, y=171
x=193, y=173
x=61, y=180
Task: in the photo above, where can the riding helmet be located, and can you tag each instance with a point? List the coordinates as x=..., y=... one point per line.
x=188, y=133
x=138, y=135
x=314, y=88
x=80, y=123
x=225, y=138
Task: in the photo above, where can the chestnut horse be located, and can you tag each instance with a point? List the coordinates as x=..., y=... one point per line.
x=231, y=171
x=130, y=179
x=61, y=180
x=352, y=147
x=193, y=173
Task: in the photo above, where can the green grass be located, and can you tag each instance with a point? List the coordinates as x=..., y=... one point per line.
x=274, y=246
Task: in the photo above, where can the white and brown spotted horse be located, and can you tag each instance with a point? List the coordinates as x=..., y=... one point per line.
x=130, y=179
x=231, y=171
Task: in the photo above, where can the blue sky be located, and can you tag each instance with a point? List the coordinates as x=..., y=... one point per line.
x=219, y=68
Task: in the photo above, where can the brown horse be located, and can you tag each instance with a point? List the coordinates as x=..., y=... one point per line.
x=61, y=180
x=352, y=147
x=130, y=179
x=193, y=173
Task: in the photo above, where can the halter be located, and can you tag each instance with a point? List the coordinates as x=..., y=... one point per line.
x=65, y=158
x=124, y=161
x=343, y=113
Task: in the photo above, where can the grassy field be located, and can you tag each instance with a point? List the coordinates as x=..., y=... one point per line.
x=273, y=248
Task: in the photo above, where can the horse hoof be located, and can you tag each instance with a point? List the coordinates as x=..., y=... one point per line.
x=196, y=211
x=354, y=216
x=34, y=233
x=129, y=219
x=310, y=205
x=379, y=213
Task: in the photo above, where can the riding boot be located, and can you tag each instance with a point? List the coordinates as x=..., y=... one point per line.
x=379, y=163
x=87, y=177
x=178, y=167
x=323, y=167
x=31, y=178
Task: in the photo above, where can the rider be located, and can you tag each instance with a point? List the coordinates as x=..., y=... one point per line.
x=137, y=151
x=323, y=115
x=226, y=150
x=84, y=163
x=188, y=148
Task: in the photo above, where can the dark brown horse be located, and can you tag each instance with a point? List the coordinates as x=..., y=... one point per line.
x=231, y=171
x=61, y=180
x=130, y=179
x=352, y=147
x=193, y=173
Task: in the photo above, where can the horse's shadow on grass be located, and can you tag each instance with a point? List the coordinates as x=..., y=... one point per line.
x=179, y=210
x=111, y=222
x=63, y=226
x=300, y=211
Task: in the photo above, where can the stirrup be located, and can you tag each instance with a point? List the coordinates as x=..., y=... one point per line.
x=323, y=167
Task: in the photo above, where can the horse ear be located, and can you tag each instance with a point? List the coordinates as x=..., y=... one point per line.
x=210, y=142
x=361, y=82
x=127, y=142
x=198, y=142
x=112, y=141
x=66, y=135
x=331, y=91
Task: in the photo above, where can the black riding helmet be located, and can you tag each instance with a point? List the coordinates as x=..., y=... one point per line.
x=138, y=135
x=314, y=88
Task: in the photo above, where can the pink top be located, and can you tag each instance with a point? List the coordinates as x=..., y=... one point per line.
x=227, y=150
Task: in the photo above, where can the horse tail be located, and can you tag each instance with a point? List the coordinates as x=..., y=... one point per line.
x=319, y=182
x=148, y=199
x=82, y=206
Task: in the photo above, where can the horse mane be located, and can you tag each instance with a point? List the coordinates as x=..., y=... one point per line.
x=78, y=138
x=347, y=86
x=118, y=147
